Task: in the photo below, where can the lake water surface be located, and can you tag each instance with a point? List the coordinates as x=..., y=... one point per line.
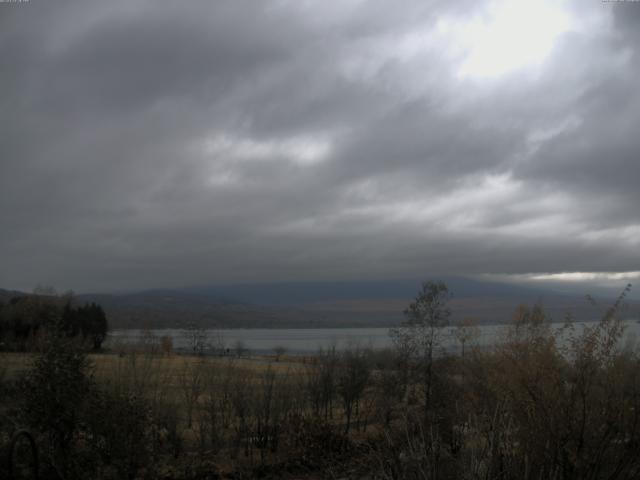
x=309, y=340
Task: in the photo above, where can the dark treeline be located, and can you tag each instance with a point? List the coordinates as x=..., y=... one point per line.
x=24, y=319
x=542, y=403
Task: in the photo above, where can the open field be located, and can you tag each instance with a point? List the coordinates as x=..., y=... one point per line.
x=105, y=364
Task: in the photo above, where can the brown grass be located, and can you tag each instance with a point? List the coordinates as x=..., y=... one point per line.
x=114, y=366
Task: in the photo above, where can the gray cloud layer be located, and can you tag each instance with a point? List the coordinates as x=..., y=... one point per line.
x=153, y=143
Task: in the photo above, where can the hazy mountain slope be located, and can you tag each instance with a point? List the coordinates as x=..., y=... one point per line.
x=326, y=304
x=303, y=293
x=331, y=304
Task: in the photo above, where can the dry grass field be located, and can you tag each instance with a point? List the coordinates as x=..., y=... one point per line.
x=13, y=364
x=105, y=365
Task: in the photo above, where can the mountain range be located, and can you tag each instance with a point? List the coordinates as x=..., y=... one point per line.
x=329, y=304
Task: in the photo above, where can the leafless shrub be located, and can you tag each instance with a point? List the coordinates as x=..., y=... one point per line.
x=279, y=351
x=388, y=393
x=321, y=382
x=352, y=379
x=464, y=332
x=191, y=379
x=240, y=399
x=271, y=403
x=196, y=337
x=166, y=345
x=240, y=348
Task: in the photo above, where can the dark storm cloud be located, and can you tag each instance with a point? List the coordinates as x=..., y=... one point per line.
x=173, y=143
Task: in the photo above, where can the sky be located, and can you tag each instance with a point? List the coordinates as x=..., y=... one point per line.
x=151, y=143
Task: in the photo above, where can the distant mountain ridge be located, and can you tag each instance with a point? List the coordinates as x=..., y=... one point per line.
x=325, y=304
x=300, y=293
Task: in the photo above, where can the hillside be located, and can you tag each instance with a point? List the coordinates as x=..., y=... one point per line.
x=326, y=304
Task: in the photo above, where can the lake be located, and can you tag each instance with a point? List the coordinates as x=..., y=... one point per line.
x=308, y=340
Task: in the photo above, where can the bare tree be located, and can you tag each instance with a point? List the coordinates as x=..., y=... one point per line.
x=241, y=402
x=353, y=377
x=388, y=390
x=217, y=406
x=466, y=331
x=217, y=342
x=271, y=402
x=166, y=345
x=420, y=335
x=240, y=348
x=192, y=381
x=279, y=350
x=196, y=337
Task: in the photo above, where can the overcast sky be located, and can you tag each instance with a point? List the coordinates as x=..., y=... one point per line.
x=171, y=143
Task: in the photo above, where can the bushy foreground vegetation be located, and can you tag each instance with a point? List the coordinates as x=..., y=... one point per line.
x=542, y=404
